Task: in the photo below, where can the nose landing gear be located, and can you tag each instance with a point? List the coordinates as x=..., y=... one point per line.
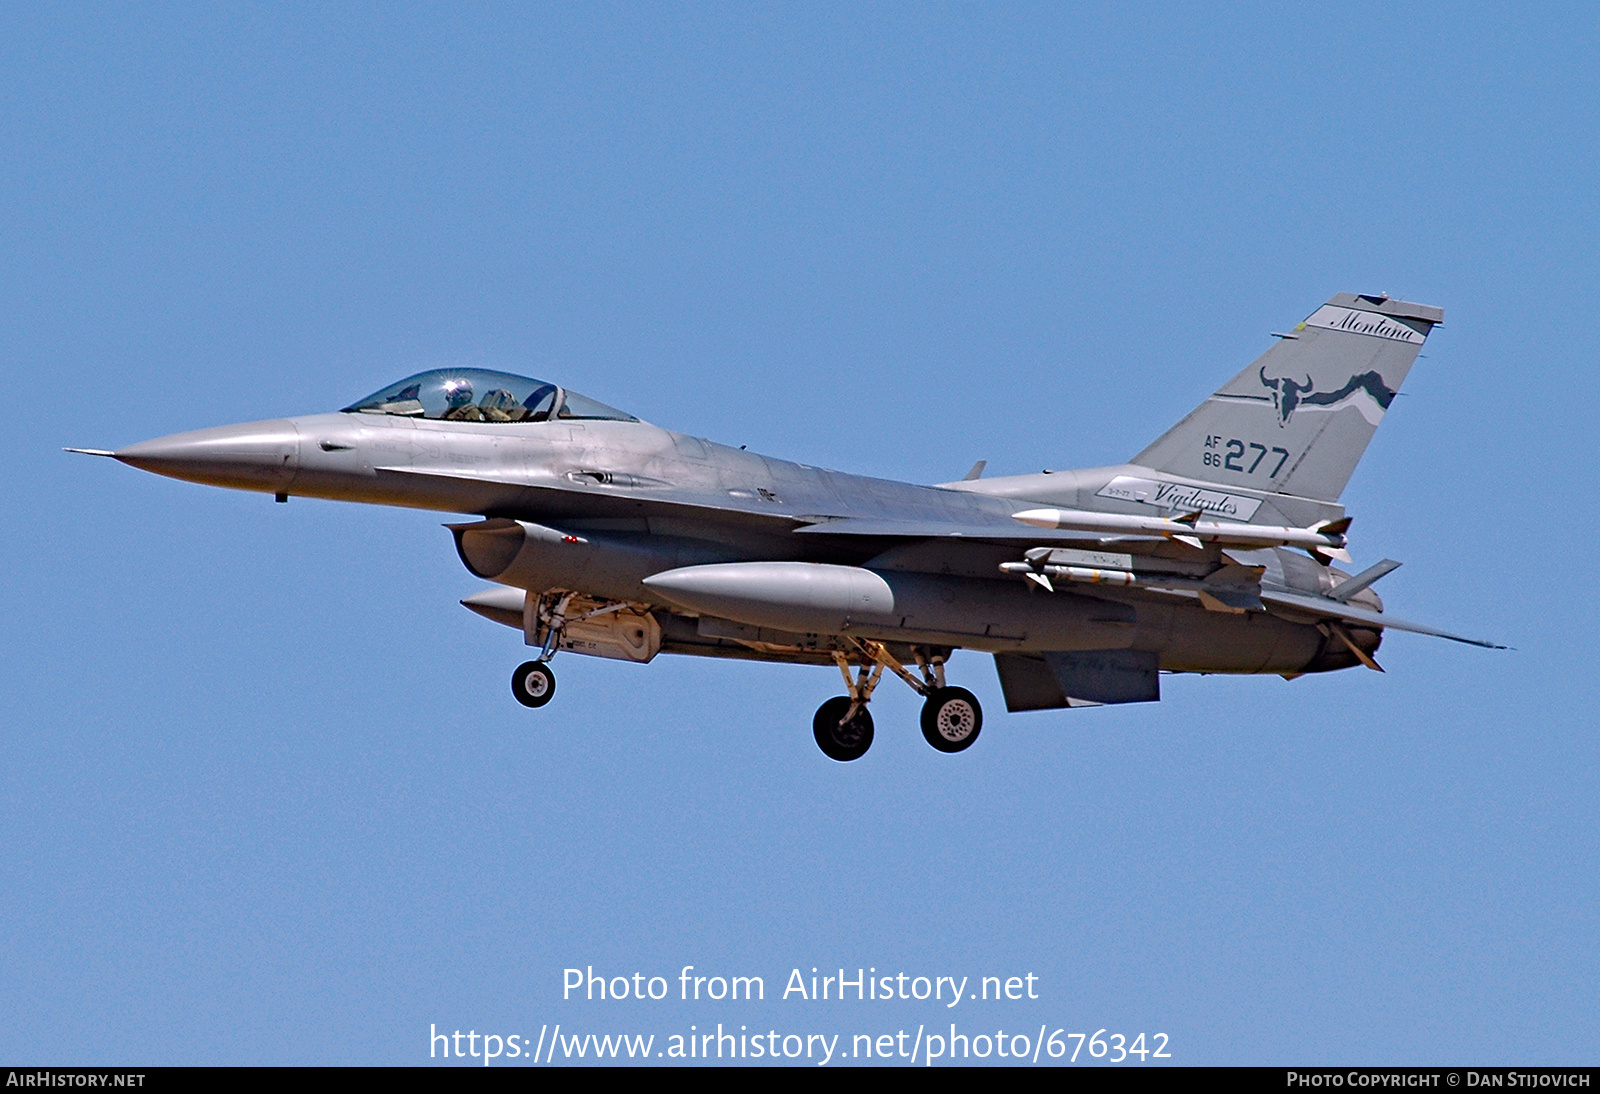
x=533, y=684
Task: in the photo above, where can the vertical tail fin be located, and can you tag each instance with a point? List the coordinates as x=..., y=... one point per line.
x=1299, y=418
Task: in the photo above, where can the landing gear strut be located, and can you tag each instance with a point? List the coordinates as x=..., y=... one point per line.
x=951, y=717
x=843, y=725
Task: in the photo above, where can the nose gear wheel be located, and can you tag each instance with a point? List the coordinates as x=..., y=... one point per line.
x=534, y=684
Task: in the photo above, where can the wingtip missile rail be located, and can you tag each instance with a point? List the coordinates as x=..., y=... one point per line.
x=1325, y=540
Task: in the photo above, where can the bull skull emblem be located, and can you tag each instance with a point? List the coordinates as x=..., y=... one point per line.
x=1286, y=393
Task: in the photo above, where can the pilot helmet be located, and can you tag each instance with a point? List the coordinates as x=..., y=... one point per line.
x=457, y=392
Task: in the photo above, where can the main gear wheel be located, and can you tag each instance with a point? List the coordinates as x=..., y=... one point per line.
x=951, y=719
x=839, y=737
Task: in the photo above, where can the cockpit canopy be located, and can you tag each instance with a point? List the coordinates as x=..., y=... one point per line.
x=480, y=395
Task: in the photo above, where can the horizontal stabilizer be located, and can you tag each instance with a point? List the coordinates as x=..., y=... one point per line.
x=1324, y=608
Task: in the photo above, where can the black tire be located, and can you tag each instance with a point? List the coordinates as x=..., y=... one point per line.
x=533, y=684
x=843, y=742
x=951, y=719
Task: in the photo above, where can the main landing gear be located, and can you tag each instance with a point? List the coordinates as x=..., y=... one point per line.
x=951, y=716
x=843, y=729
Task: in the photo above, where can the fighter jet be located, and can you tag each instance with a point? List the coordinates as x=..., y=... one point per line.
x=1210, y=551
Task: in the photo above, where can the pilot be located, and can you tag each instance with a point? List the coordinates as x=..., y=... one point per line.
x=458, y=401
x=500, y=405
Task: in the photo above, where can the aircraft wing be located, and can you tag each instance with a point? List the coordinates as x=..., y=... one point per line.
x=481, y=492
x=1003, y=530
x=1331, y=609
x=510, y=493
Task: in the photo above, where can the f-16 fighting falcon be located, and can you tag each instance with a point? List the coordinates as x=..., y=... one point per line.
x=1210, y=551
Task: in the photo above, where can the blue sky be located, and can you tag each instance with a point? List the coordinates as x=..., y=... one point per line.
x=266, y=797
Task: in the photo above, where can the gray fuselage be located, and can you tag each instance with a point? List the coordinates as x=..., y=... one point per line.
x=640, y=500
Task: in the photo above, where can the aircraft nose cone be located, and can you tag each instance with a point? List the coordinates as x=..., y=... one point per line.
x=252, y=456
